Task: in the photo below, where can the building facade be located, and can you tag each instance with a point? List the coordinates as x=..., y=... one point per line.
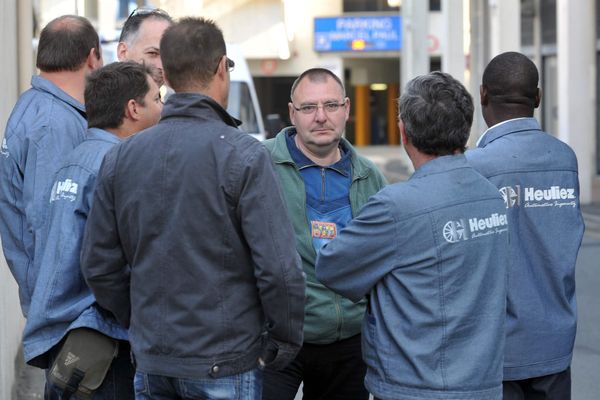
x=395, y=40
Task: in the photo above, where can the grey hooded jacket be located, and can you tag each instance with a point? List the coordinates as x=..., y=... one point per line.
x=193, y=206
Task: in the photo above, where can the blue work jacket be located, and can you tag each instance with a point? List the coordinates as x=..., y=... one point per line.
x=45, y=125
x=431, y=256
x=537, y=176
x=61, y=300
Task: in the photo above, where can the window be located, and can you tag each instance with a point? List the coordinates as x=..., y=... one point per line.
x=242, y=107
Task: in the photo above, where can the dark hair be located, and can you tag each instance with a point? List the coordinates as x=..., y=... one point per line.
x=511, y=78
x=191, y=50
x=109, y=89
x=132, y=25
x=65, y=44
x=317, y=75
x=437, y=112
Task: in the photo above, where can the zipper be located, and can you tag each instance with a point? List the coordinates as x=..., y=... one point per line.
x=338, y=310
x=322, y=184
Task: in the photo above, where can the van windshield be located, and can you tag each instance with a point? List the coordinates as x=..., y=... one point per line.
x=241, y=106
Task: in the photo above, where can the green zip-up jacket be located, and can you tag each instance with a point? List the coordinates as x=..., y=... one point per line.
x=328, y=317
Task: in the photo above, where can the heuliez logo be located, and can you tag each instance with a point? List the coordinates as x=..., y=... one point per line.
x=64, y=190
x=455, y=231
x=465, y=229
x=528, y=197
x=511, y=195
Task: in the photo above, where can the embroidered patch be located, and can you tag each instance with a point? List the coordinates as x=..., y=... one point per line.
x=64, y=190
x=323, y=230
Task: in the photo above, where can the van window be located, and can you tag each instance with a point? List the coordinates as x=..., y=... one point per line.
x=241, y=106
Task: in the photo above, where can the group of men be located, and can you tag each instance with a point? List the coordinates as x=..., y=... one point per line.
x=208, y=265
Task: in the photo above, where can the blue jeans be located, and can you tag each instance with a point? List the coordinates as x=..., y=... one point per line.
x=117, y=385
x=244, y=386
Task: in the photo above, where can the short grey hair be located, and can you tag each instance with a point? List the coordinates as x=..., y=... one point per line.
x=437, y=112
x=317, y=75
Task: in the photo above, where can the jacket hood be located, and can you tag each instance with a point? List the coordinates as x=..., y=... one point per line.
x=197, y=105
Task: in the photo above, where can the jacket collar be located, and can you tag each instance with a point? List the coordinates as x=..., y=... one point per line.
x=196, y=105
x=506, y=128
x=343, y=166
x=441, y=164
x=44, y=85
x=281, y=154
x=101, y=134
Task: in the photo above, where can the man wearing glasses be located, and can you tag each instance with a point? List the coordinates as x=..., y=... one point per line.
x=214, y=290
x=325, y=183
x=140, y=39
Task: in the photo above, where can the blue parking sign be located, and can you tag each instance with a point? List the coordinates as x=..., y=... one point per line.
x=357, y=34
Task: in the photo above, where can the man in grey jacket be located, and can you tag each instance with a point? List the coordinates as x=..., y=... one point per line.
x=188, y=242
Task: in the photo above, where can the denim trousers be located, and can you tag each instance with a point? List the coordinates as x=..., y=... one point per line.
x=117, y=385
x=244, y=386
x=333, y=371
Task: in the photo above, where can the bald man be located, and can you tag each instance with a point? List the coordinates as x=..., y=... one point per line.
x=47, y=122
x=537, y=176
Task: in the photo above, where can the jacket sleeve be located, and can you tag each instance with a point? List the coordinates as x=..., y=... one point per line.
x=280, y=280
x=12, y=218
x=361, y=254
x=103, y=262
x=59, y=267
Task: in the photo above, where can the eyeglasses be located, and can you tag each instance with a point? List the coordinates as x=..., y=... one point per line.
x=148, y=11
x=329, y=107
x=230, y=64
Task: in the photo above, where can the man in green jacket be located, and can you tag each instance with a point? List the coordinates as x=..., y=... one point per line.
x=325, y=183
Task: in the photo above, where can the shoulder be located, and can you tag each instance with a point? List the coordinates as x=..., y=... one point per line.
x=369, y=165
x=277, y=146
x=38, y=114
x=244, y=144
x=90, y=153
x=269, y=144
x=522, y=151
x=364, y=167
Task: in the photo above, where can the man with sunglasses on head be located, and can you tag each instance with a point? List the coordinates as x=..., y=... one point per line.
x=325, y=183
x=140, y=39
x=214, y=290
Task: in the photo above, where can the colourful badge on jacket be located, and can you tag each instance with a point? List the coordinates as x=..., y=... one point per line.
x=323, y=230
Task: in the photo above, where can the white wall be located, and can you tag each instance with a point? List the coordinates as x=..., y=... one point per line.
x=577, y=86
x=11, y=320
x=298, y=17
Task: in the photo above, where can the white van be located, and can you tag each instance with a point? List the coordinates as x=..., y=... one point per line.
x=243, y=102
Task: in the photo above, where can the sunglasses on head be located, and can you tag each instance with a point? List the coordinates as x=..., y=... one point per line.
x=147, y=11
